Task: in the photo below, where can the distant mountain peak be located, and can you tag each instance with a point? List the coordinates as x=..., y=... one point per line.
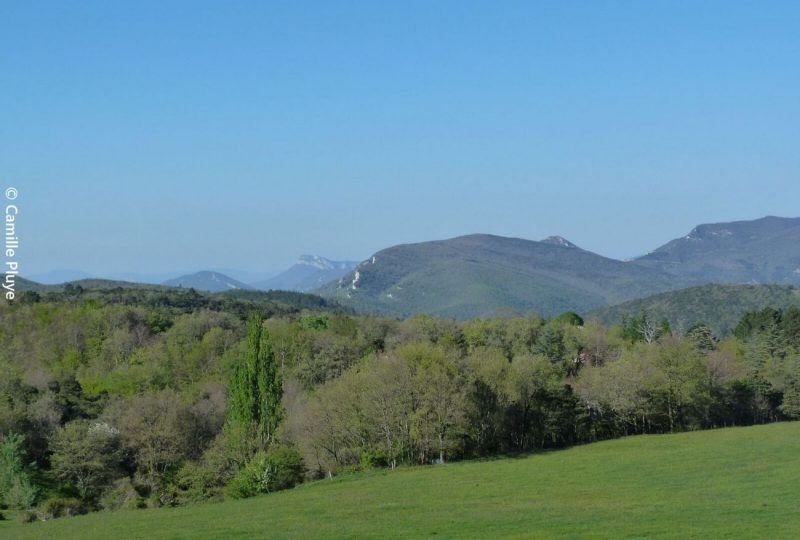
x=309, y=272
x=709, y=231
x=316, y=261
x=559, y=241
x=479, y=275
x=322, y=263
x=207, y=280
x=765, y=250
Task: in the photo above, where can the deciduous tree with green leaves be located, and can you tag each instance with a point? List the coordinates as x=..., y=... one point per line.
x=87, y=454
x=256, y=388
x=16, y=489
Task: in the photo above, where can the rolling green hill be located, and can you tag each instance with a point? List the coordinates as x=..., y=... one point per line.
x=89, y=284
x=479, y=275
x=728, y=483
x=719, y=306
x=23, y=284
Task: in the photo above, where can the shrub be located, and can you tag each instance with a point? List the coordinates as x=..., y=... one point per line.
x=287, y=467
x=279, y=468
x=21, y=494
x=26, y=517
x=61, y=507
x=371, y=459
x=122, y=495
x=248, y=481
x=196, y=482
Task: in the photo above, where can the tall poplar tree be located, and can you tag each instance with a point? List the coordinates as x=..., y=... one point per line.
x=256, y=388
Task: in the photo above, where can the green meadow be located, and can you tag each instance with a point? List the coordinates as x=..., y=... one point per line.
x=726, y=483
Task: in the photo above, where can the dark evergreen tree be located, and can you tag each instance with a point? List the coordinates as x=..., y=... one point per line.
x=702, y=337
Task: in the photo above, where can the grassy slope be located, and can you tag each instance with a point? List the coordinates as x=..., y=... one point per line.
x=739, y=482
x=719, y=306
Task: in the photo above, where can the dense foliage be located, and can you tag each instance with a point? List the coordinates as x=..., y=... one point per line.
x=719, y=306
x=116, y=400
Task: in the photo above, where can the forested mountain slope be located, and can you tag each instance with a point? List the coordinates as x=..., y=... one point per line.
x=765, y=250
x=481, y=275
x=718, y=306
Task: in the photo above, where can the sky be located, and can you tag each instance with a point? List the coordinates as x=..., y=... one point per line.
x=166, y=137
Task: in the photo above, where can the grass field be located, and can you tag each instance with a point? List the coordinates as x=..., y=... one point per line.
x=729, y=483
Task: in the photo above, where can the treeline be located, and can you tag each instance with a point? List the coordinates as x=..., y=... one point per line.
x=110, y=404
x=178, y=300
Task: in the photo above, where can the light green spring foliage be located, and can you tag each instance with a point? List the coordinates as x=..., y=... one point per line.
x=87, y=454
x=360, y=391
x=16, y=489
x=277, y=468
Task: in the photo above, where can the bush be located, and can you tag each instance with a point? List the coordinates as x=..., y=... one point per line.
x=248, y=481
x=196, y=482
x=287, y=467
x=21, y=494
x=279, y=468
x=61, y=507
x=122, y=495
x=26, y=517
x=371, y=459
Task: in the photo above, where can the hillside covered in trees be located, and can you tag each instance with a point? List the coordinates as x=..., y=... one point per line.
x=138, y=398
x=481, y=275
x=719, y=306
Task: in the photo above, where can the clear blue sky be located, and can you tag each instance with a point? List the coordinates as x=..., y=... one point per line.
x=169, y=136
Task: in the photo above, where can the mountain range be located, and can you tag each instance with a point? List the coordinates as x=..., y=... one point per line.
x=477, y=275
x=480, y=275
x=308, y=273
x=765, y=250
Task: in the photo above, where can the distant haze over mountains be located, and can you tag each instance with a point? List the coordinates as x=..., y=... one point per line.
x=59, y=276
x=309, y=272
x=765, y=250
x=481, y=275
x=207, y=281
